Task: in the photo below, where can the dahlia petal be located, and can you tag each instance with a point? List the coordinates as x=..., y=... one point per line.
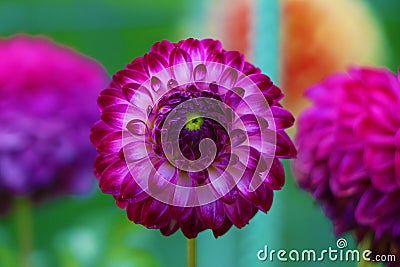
x=155, y=214
x=121, y=203
x=212, y=215
x=238, y=137
x=142, y=99
x=101, y=162
x=234, y=97
x=140, y=197
x=129, y=76
x=283, y=118
x=184, y=194
x=384, y=79
x=254, y=123
x=384, y=180
x=234, y=59
x=112, y=177
x=230, y=197
x=228, y=78
x=154, y=63
x=397, y=165
x=136, y=180
x=222, y=183
x=325, y=146
x=381, y=112
x=136, y=65
x=284, y=145
x=111, y=143
x=214, y=68
x=171, y=228
x=366, y=207
x=374, y=133
x=350, y=174
x=134, y=212
x=249, y=69
x=276, y=176
x=182, y=68
x=191, y=226
x=211, y=45
x=379, y=158
x=240, y=212
x=262, y=81
x=262, y=197
x=194, y=47
x=163, y=48
x=224, y=228
x=129, y=89
x=162, y=174
x=110, y=97
x=251, y=158
x=199, y=176
x=135, y=151
x=319, y=184
x=215, y=60
x=180, y=213
x=249, y=182
x=98, y=131
x=273, y=95
x=252, y=104
x=114, y=116
x=318, y=92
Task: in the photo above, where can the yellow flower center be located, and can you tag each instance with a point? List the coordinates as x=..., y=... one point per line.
x=194, y=121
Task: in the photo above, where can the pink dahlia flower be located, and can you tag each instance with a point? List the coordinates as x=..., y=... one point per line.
x=189, y=137
x=349, y=153
x=46, y=101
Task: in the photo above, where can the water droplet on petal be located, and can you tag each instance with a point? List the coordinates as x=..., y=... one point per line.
x=200, y=72
x=149, y=110
x=137, y=127
x=155, y=83
x=172, y=84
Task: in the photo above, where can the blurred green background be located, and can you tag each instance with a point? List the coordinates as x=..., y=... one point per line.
x=90, y=230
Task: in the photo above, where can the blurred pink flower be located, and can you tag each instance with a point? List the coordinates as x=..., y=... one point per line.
x=349, y=153
x=47, y=103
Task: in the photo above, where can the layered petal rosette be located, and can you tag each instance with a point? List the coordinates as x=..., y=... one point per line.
x=190, y=137
x=349, y=154
x=46, y=96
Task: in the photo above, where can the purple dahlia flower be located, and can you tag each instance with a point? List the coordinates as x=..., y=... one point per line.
x=46, y=96
x=189, y=137
x=349, y=153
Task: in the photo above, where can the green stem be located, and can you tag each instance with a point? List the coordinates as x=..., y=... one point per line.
x=191, y=252
x=23, y=216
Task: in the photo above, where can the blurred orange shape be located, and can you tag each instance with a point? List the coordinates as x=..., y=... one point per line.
x=319, y=37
